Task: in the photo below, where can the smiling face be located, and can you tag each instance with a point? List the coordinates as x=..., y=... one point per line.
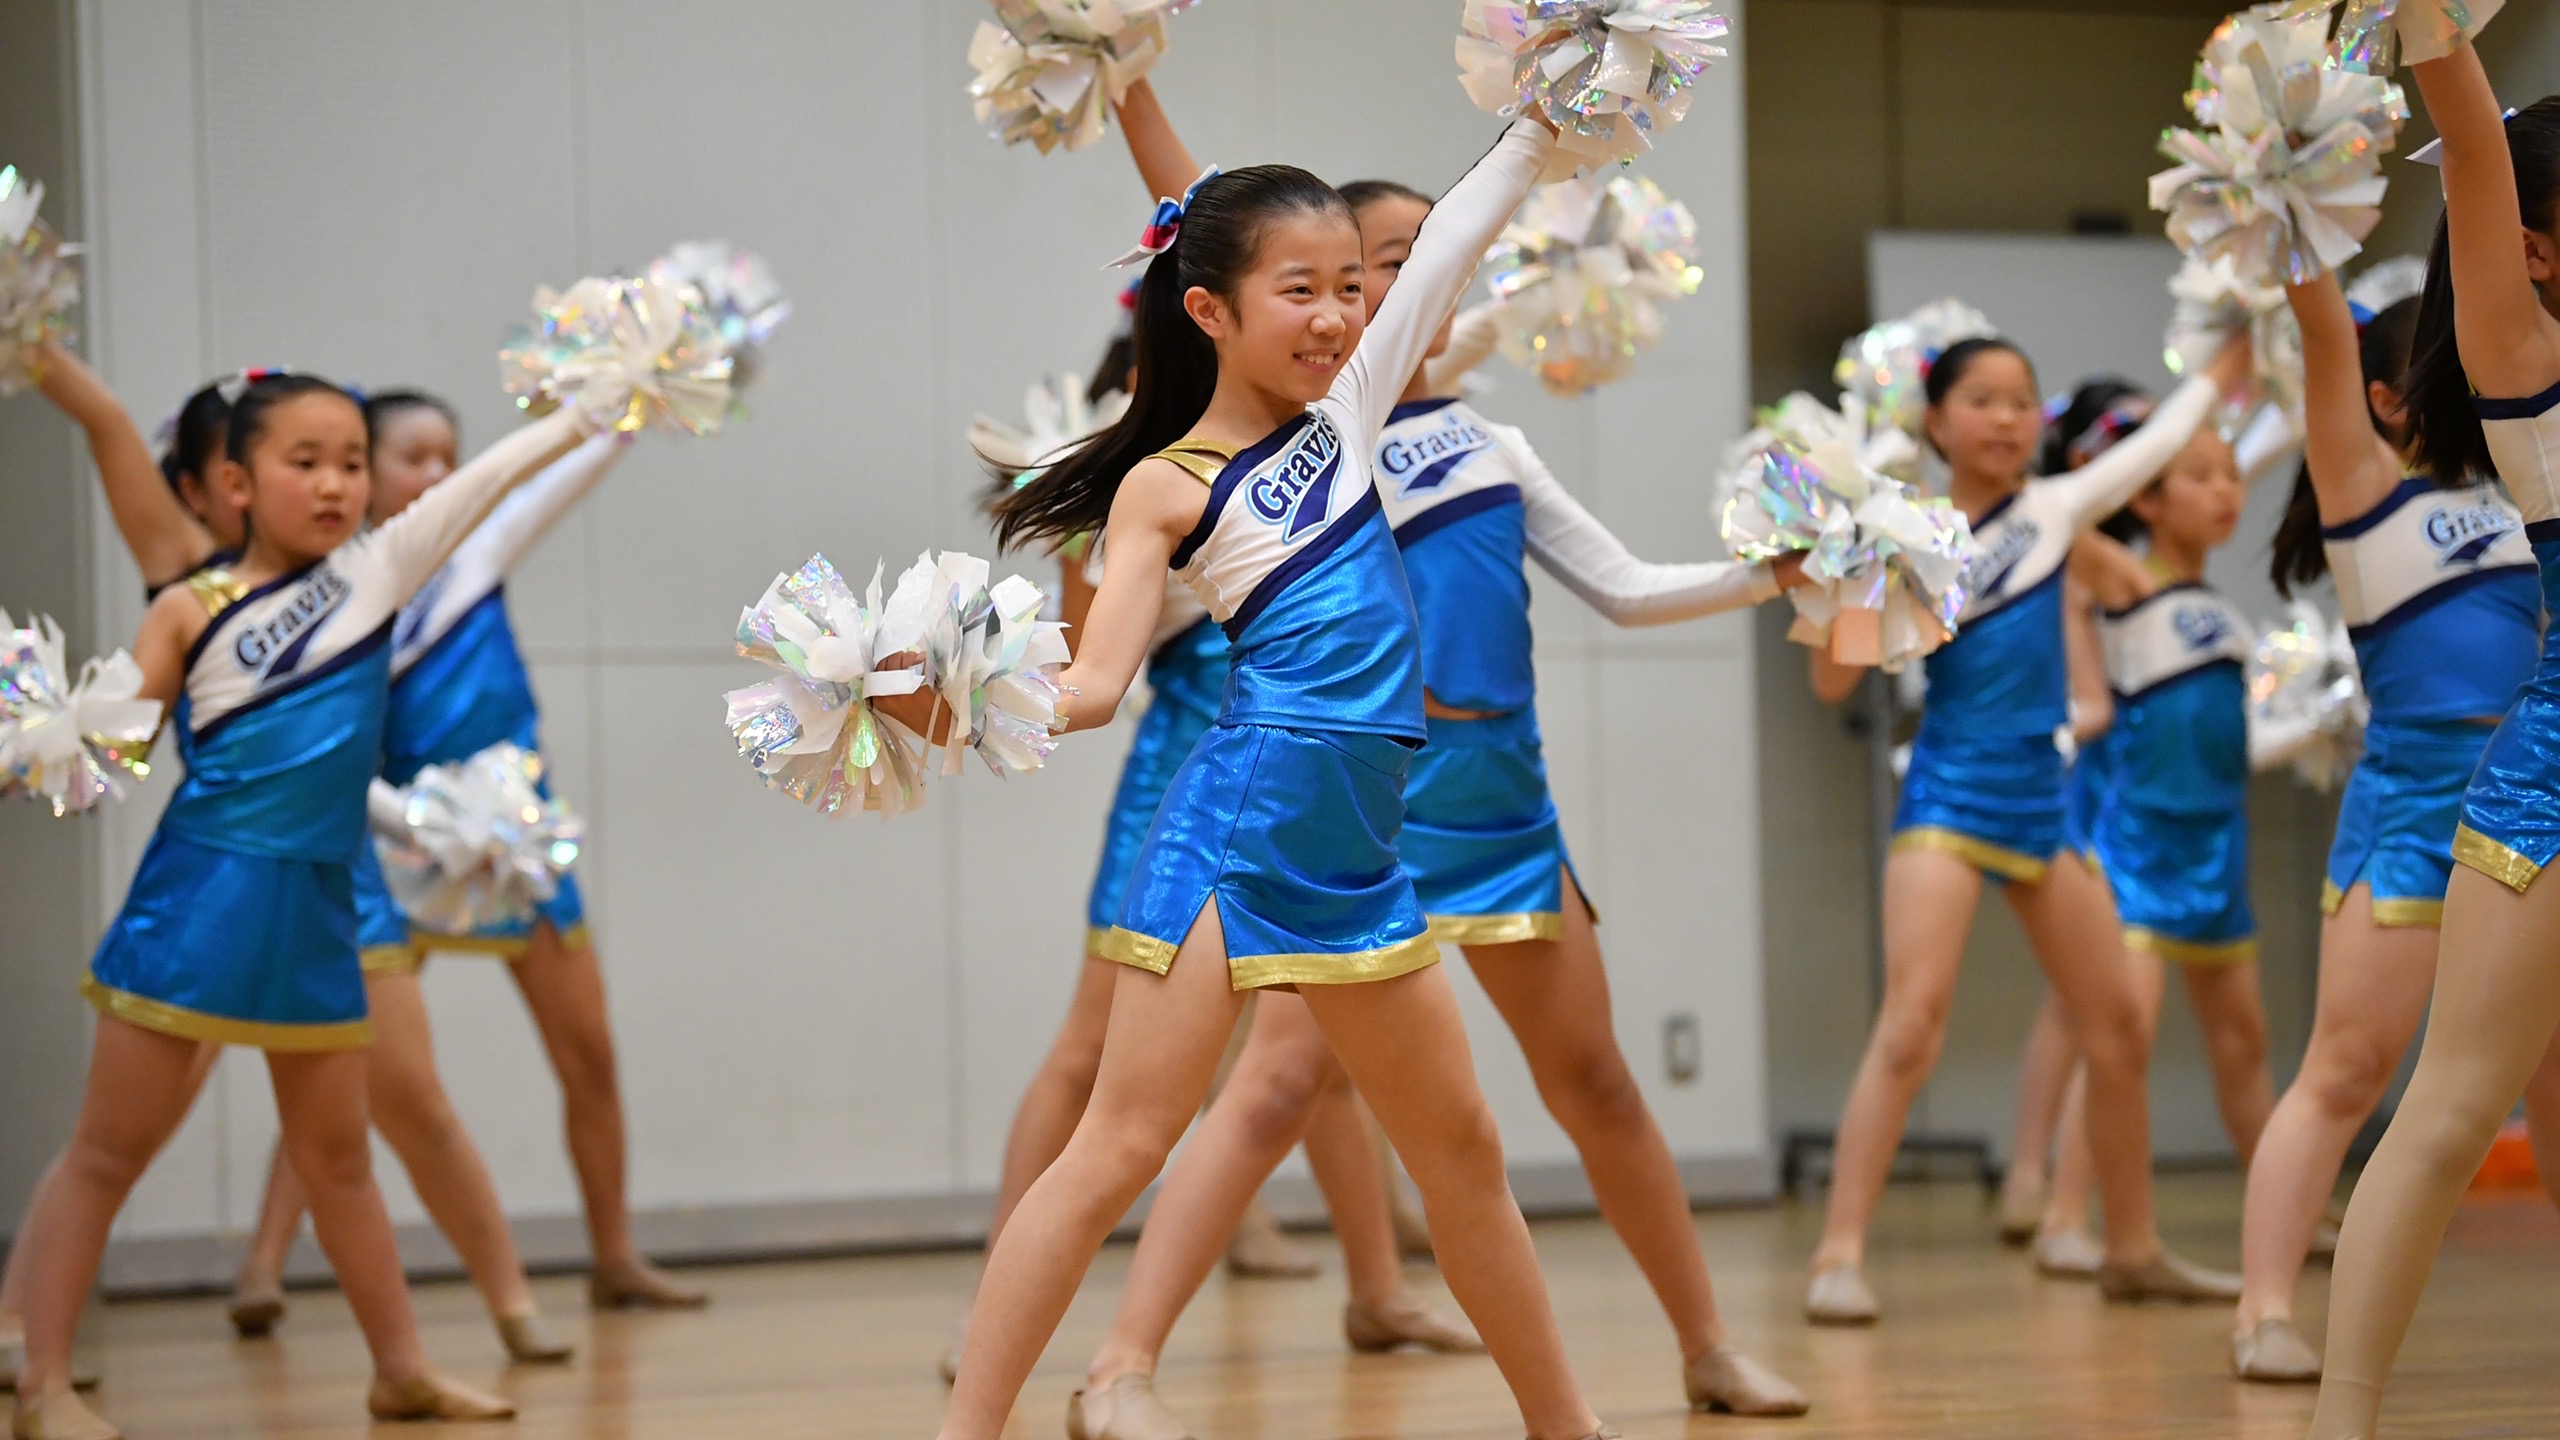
x=1990, y=422
x=413, y=448
x=1296, y=314
x=306, y=478
x=2196, y=504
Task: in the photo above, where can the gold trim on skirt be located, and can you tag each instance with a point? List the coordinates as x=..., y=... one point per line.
x=391, y=959
x=509, y=948
x=1980, y=854
x=1095, y=937
x=1128, y=947
x=1512, y=929
x=1263, y=972
x=2402, y=913
x=188, y=1024
x=2189, y=952
x=2490, y=858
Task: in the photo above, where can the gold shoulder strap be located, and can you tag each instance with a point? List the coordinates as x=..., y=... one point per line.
x=1203, y=460
x=215, y=589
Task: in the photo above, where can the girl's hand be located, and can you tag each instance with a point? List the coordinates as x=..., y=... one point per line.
x=1834, y=682
x=1789, y=570
x=921, y=711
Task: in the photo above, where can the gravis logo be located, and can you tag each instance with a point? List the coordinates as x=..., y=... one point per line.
x=1425, y=463
x=1991, y=567
x=2203, y=627
x=1299, y=487
x=273, y=648
x=2462, y=534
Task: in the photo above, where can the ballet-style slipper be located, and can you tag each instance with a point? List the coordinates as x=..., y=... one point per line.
x=2166, y=1277
x=59, y=1416
x=2324, y=1243
x=1725, y=1379
x=640, y=1286
x=1374, y=1329
x=84, y=1376
x=1839, y=1296
x=1126, y=1409
x=433, y=1397
x=256, y=1307
x=2275, y=1354
x=1260, y=1252
x=530, y=1340
x=2069, y=1255
x=2021, y=1215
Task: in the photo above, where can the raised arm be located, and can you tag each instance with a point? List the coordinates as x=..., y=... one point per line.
x=1165, y=165
x=2101, y=487
x=166, y=539
x=1443, y=260
x=1157, y=506
x=2510, y=345
x=412, y=544
x=2266, y=443
x=2352, y=467
x=1473, y=337
x=524, y=517
x=2108, y=573
x=1573, y=546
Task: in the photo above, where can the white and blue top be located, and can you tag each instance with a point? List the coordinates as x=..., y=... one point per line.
x=1469, y=501
x=1292, y=554
x=2003, y=676
x=2438, y=592
x=2177, y=662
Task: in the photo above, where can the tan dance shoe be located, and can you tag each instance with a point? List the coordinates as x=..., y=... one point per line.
x=84, y=1376
x=2021, y=1214
x=530, y=1340
x=640, y=1286
x=2275, y=1354
x=1839, y=1296
x=1725, y=1379
x=59, y=1417
x=433, y=1397
x=2167, y=1277
x=2069, y=1255
x=1127, y=1409
x=1260, y=1251
x=256, y=1309
x=1375, y=1329
x=2324, y=1243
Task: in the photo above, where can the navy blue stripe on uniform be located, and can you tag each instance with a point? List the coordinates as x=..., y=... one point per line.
x=2164, y=593
x=2407, y=490
x=241, y=605
x=1246, y=461
x=1440, y=517
x=375, y=640
x=2426, y=600
x=2530, y=409
x=1309, y=557
x=1410, y=408
x=2542, y=532
x=2219, y=662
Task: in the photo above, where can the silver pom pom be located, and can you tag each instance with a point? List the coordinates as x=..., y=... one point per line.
x=746, y=303
x=71, y=741
x=1050, y=71
x=476, y=844
x=38, y=286
x=626, y=353
x=1056, y=415
x=2213, y=303
x=2307, y=705
x=2373, y=35
x=1886, y=366
x=1610, y=75
x=1581, y=275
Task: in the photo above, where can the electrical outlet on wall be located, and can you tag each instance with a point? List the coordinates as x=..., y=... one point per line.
x=1680, y=1056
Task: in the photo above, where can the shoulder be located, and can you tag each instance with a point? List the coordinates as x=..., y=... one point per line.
x=1157, y=491
x=181, y=613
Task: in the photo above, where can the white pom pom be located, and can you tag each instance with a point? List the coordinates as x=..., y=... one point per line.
x=626, y=353
x=1056, y=414
x=2373, y=34
x=745, y=302
x=1885, y=567
x=1050, y=71
x=2386, y=283
x=2287, y=181
x=1886, y=367
x=2307, y=706
x=74, y=742
x=37, y=285
x=1581, y=275
x=475, y=844
x=1610, y=75
x=2213, y=303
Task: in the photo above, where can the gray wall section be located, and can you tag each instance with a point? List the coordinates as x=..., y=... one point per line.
x=44, y=1028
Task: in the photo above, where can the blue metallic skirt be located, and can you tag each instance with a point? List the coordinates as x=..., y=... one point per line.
x=1293, y=834
x=2084, y=799
x=1481, y=839
x=1174, y=722
x=237, y=949
x=2511, y=814
x=2397, y=820
x=1994, y=802
x=2181, y=882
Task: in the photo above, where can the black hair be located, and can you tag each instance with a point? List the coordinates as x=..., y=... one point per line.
x=2444, y=427
x=1111, y=372
x=1950, y=366
x=249, y=412
x=1177, y=366
x=2382, y=348
x=382, y=405
x=2088, y=405
x=1361, y=194
x=195, y=440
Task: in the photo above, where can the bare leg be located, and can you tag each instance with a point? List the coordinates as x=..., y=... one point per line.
x=280, y=1213
x=2075, y=1169
x=2044, y=1072
x=1055, y=1099
x=1344, y=1159
x=322, y=1102
x=563, y=988
x=2542, y=1119
x=1929, y=898
x=2495, y=1007
x=2373, y=991
x=2231, y=1010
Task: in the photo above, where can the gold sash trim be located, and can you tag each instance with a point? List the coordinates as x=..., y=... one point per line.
x=2490, y=858
x=1980, y=854
x=188, y=1024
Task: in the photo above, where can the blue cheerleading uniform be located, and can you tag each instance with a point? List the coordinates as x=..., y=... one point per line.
x=2172, y=836
x=459, y=686
x=1286, y=813
x=240, y=924
x=2437, y=588
x=1187, y=675
x=1470, y=502
x=2510, y=826
x=1986, y=781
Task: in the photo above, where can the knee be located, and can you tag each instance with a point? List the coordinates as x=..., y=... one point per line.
x=1462, y=1147
x=341, y=1157
x=105, y=1160
x=1593, y=1087
x=1114, y=1158
x=421, y=1120
x=1280, y=1098
x=2239, y=1044
x=584, y=1059
x=1908, y=1041
x=2346, y=1077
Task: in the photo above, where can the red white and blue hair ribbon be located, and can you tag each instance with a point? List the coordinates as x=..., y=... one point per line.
x=1165, y=225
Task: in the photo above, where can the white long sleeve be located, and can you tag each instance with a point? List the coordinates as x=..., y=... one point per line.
x=1571, y=544
x=2101, y=487
x=412, y=545
x=521, y=520
x=2266, y=443
x=1473, y=338
x=2273, y=744
x=1444, y=259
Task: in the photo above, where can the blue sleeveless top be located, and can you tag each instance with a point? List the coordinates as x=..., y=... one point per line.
x=2439, y=592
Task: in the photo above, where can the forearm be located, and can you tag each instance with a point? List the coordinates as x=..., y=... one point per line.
x=1164, y=163
x=417, y=540
x=1444, y=259
x=2102, y=487
x=166, y=540
x=520, y=521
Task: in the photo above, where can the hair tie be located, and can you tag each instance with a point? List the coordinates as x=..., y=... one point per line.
x=2121, y=419
x=1165, y=226
x=229, y=387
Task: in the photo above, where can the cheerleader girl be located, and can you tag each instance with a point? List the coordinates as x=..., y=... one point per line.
x=1469, y=502
x=239, y=926
x=1985, y=797
x=1245, y=466
x=2483, y=395
x=459, y=686
x=2435, y=581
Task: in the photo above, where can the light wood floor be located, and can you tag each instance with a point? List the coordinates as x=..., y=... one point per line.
x=1973, y=1346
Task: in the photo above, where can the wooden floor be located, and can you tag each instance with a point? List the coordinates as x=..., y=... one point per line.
x=1972, y=1346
